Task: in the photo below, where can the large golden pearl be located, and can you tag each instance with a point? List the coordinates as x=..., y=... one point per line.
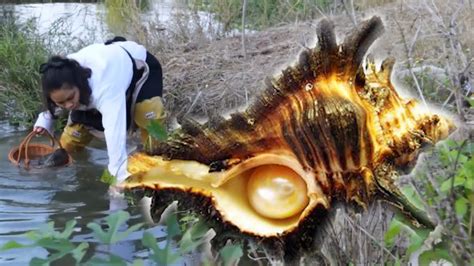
x=276, y=191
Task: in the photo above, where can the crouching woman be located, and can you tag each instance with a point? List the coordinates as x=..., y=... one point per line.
x=110, y=89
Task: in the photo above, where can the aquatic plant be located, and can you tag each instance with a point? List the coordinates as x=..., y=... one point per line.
x=184, y=236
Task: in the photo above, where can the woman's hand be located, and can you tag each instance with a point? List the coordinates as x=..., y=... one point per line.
x=115, y=190
x=117, y=199
x=39, y=130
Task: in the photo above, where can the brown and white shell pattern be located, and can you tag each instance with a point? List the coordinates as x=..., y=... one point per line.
x=339, y=129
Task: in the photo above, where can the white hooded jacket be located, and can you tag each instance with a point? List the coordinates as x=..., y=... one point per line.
x=112, y=72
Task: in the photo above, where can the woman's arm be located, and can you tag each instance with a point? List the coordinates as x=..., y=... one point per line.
x=112, y=106
x=45, y=120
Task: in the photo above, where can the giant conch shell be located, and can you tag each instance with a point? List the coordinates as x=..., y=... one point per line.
x=325, y=129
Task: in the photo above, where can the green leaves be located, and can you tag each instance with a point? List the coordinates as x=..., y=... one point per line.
x=394, y=229
x=184, y=237
x=173, y=226
x=411, y=195
x=190, y=240
x=434, y=255
x=417, y=238
x=467, y=171
x=79, y=252
x=461, y=184
x=445, y=183
x=56, y=242
x=163, y=256
x=63, y=247
x=399, y=225
x=114, y=222
x=231, y=254
x=156, y=133
x=461, y=206
x=12, y=245
x=448, y=184
x=167, y=255
x=193, y=237
x=157, y=130
x=108, y=178
x=48, y=231
x=470, y=101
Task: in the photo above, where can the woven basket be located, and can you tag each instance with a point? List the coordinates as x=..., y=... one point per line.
x=28, y=151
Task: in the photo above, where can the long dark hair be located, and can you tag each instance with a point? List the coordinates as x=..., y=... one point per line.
x=59, y=71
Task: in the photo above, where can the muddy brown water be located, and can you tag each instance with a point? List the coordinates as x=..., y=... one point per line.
x=31, y=198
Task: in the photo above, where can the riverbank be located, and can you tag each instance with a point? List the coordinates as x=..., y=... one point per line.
x=202, y=76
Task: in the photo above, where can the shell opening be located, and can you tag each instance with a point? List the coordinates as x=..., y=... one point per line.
x=291, y=199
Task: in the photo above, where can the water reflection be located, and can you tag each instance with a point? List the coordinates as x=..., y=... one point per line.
x=78, y=22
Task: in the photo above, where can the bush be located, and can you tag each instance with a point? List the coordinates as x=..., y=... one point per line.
x=444, y=185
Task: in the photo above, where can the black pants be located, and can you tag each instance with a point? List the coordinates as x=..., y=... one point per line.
x=152, y=87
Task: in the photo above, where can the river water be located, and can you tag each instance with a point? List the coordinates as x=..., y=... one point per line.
x=30, y=198
x=86, y=22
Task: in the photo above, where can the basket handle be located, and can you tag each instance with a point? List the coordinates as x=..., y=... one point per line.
x=25, y=144
x=21, y=148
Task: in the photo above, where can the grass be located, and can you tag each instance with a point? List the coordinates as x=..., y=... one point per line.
x=123, y=16
x=21, y=53
x=261, y=13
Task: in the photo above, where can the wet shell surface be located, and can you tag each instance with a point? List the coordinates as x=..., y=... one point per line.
x=329, y=127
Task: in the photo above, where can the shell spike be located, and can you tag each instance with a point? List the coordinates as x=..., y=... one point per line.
x=326, y=36
x=327, y=46
x=356, y=45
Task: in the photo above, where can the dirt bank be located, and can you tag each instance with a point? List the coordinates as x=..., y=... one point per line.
x=203, y=76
